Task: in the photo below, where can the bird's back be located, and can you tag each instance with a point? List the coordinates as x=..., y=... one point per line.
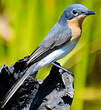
x=56, y=38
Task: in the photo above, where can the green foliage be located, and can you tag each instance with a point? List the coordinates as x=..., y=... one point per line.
x=25, y=23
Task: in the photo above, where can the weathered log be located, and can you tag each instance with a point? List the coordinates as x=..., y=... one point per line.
x=54, y=93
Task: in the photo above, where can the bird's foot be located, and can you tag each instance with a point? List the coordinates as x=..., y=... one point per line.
x=60, y=67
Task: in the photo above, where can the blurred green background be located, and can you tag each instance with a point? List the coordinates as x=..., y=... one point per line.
x=25, y=23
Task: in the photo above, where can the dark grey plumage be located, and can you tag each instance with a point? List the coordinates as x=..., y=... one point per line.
x=56, y=38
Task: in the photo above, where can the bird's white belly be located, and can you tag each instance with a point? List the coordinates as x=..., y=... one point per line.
x=56, y=55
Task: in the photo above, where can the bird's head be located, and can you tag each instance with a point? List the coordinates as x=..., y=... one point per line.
x=75, y=13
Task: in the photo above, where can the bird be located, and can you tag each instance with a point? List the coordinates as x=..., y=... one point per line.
x=60, y=41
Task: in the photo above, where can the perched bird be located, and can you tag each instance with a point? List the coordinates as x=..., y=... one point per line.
x=61, y=39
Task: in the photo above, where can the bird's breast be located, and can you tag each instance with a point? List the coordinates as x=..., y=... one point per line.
x=75, y=25
x=76, y=33
x=76, y=30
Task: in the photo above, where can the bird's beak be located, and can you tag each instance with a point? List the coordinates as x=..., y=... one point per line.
x=90, y=13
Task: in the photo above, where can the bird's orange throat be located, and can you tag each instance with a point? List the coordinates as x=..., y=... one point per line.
x=76, y=26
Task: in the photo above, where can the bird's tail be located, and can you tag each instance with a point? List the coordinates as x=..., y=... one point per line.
x=15, y=87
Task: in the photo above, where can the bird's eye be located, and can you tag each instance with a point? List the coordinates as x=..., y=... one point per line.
x=75, y=12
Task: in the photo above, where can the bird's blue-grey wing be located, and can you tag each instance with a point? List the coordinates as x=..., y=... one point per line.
x=58, y=35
